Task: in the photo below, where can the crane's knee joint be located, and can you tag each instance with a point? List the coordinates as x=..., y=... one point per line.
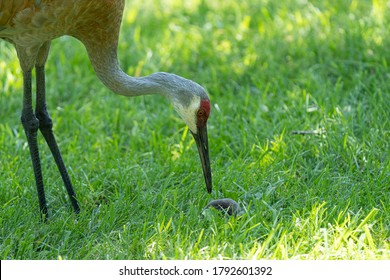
x=30, y=124
x=45, y=122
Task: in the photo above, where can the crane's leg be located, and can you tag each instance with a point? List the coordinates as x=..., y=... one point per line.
x=30, y=125
x=46, y=125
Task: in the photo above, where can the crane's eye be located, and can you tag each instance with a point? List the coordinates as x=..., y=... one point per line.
x=200, y=113
x=201, y=116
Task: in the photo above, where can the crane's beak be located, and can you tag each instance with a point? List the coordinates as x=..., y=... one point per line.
x=203, y=147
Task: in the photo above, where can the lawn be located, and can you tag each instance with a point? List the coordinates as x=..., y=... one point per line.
x=299, y=136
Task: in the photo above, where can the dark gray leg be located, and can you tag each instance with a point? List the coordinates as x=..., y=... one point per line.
x=46, y=128
x=30, y=125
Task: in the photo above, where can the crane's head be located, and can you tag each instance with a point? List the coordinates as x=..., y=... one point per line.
x=195, y=115
x=192, y=103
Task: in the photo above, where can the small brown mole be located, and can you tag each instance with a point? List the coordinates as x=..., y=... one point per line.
x=225, y=205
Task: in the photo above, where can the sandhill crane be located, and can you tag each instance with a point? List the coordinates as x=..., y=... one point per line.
x=30, y=25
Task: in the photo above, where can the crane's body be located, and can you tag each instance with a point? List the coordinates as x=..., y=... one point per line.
x=31, y=25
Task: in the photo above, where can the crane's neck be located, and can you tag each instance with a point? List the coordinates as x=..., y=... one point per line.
x=185, y=95
x=105, y=63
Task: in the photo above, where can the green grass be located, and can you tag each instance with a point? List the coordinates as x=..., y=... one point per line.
x=271, y=68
